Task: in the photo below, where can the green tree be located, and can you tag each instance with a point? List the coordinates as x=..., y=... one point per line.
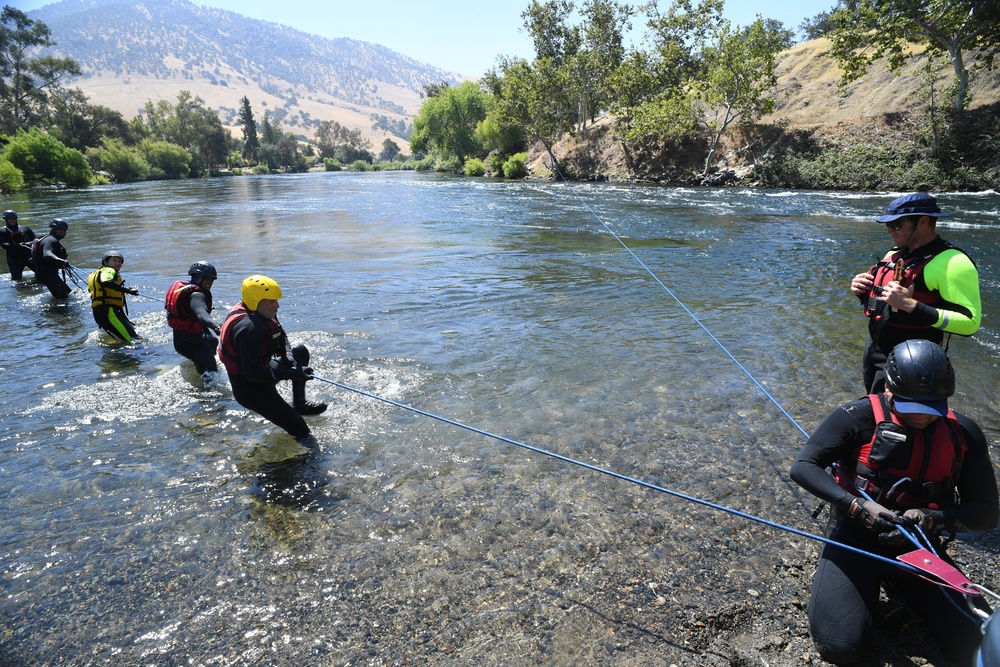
x=251, y=144
x=446, y=124
x=968, y=31
x=11, y=178
x=741, y=72
x=166, y=160
x=81, y=125
x=44, y=160
x=25, y=81
x=192, y=126
x=390, y=151
x=125, y=164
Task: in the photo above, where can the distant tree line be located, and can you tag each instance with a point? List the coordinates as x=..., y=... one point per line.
x=698, y=79
x=52, y=135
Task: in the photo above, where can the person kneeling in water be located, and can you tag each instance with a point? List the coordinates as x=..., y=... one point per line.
x=107, y=298
x=254, y=350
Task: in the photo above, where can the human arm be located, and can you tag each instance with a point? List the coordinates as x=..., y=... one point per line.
x=250, y=340
x=199, y=307
x=843, y=430
x=953, y=275
x=979, y=508
x=106, y=278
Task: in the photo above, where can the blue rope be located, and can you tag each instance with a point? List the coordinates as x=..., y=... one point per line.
x=626, y=478
x=681, y=304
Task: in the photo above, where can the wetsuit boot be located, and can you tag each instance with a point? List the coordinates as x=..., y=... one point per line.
x=299, y=402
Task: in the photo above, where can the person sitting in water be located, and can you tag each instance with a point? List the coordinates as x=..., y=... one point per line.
x=16, y=242
x=919, y=464
x=189, y=308
x=254, y=350
x=48, y=256
x=107, y=298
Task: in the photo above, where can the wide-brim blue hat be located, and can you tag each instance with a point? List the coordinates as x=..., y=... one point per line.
x=919, y=203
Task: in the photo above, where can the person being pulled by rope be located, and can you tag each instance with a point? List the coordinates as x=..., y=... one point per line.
x=903, y=461
x=49, y=257
x=16, y=242
x=189, y=308
x=254, y=350
x=107, y=297
x=924, y=287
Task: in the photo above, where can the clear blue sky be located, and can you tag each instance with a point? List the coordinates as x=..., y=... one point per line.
x=463, y=36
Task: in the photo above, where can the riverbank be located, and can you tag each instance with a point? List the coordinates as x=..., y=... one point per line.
x=885, y=152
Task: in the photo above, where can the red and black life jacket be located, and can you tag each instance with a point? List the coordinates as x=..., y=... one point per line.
x=902, y=467
x=907, y=272
x=178, y=307
x=274, y=342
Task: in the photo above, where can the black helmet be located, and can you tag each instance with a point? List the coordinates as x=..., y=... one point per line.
x=8, y=214
x=109, y=254
x=920, y=377
x=201, y=270
x=58, y=223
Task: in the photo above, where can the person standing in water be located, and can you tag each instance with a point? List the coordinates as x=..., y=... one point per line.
x=924, y=287
x=107, y=298
x=49, y=257
x=189, y=314
x=15, y=240
x=254, y=350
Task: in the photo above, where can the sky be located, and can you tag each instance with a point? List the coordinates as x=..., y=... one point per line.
x=462, y=36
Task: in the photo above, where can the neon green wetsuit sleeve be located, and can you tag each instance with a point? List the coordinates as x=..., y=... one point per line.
x=953, y=275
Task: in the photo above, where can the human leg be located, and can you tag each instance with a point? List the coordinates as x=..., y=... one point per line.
x=264, y=399
x=842, y=604
x=121, y=324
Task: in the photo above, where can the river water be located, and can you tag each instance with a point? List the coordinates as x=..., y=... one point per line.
x=132, y=533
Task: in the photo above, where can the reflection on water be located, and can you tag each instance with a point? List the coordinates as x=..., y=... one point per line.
x=154, y=521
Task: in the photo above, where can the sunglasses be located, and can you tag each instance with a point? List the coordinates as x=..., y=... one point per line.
x=895, y=225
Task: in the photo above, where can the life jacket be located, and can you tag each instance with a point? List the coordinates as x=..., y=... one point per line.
x=907, y=272
x=178, y=307
x=101, y=295
x=274, y=343
x=904, y=468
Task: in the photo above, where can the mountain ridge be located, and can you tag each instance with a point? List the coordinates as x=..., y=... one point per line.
x=132, y=51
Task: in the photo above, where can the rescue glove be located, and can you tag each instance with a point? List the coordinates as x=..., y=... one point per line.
x=288, y=373
x=930, y=521
x=872, y=516
x=131, y=290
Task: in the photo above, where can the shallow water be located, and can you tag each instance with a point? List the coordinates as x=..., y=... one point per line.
x=132, y=534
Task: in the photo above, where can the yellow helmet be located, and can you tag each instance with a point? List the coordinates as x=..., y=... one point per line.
x=259, y=287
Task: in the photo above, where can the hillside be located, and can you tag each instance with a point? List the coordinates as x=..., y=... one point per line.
x=132, y=51
x=882, y=109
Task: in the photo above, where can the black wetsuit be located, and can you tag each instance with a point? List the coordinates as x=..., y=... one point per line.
x=845, y=593
x=195, y=305
x=256, y=355
x=49, y=258
x=18, y=256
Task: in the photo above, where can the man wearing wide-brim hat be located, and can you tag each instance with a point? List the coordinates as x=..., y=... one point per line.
x=923, y=288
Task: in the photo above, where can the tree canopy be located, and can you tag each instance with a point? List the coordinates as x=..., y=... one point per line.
x=967, y=31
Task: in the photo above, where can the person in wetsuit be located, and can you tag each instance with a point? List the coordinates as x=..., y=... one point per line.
x=189, y=315
x=49, y=257
x=107, y=298
x=920, y=464
x=16, y=242
x=924, y=287
x=254, y=350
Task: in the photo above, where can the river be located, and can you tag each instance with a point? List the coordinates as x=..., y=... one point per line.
x=132, y=533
